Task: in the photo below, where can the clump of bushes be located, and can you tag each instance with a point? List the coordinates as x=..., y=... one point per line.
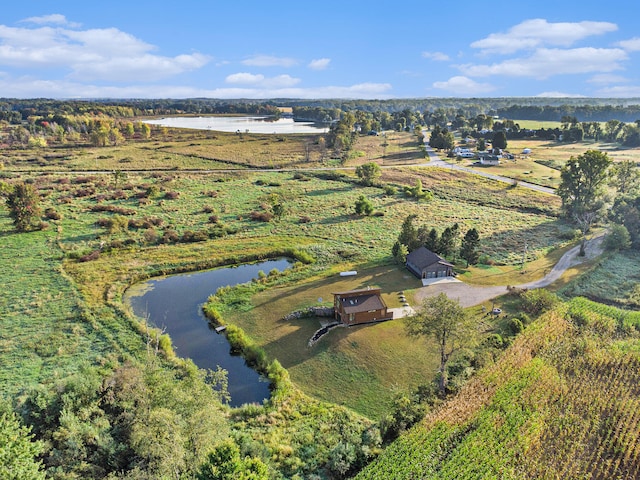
x=198, y=236
x=261, y=216
x=113, y=209
x=535, y=302
x=52, y=214
x=94, y=255
x=170, y=236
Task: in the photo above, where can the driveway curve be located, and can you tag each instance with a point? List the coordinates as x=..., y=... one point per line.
x=470, y=295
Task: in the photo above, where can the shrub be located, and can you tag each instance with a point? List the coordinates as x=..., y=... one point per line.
x=190, y=236
x=150, y=236
x=171, y=195
x=516, y=326
x=213, y=219
x=261, y=216
x=304, y=219
x=363, y=206
x=390, y=190
x=52, y=214
x=94, y=255
x=538, y=301
x=618, y=238
x=170, y=236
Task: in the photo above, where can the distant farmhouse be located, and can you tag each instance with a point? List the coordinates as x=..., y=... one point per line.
x=486, y=158
x=356, y=307
x=425, y=264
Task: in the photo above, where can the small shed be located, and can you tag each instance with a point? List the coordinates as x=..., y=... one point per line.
x=423, y=263
x=356, y=307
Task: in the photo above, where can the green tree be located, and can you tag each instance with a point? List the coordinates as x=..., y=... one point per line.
x=24, y=206
x=145, y=130
x=400, y=252
x=626, y=177
x=499, y=140
x=582, y=180
x=448, y=324
x=368, y=173
x=18, y=451
x=618, y=238
x=100, y=136
x=363, y=206
x=408, y=234
x=469, y=248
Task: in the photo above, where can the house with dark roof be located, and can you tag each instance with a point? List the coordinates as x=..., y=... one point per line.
x=356, y=307
x=425, y=264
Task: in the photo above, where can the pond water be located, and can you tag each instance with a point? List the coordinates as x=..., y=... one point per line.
x=243, y=124
x=175, y=304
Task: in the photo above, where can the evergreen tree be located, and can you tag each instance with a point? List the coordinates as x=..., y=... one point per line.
x=433, y=241
x=470, y=244
x=409, y=235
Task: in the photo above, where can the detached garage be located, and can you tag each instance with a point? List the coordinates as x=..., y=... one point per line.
x=425, y=264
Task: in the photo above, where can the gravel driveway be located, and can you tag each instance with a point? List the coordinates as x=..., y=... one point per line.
x=469, y=295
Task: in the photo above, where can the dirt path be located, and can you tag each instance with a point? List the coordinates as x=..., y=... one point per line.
x=469, y=295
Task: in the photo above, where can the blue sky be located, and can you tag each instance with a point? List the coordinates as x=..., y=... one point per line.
x=331, y=49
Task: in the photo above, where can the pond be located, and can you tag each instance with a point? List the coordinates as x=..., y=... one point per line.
x=175, y=304
x=243, y=124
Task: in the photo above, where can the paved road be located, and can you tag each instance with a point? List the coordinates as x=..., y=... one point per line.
x=470, y=295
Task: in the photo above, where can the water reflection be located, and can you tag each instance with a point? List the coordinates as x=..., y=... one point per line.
x=242, y=124
x=175, y=304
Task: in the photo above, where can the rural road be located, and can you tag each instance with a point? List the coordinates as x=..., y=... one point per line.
x=470, y=295
x=436, y=161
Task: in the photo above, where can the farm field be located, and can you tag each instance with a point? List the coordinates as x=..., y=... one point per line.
x=561, y=402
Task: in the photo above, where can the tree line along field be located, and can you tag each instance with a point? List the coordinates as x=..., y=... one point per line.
x=62, y=310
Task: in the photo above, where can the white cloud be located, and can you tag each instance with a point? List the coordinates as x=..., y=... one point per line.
x=538, y=32
x=26, y=87
x=281, y=81
x=631, y=45
x=607, y=78
x=106, y=54
x=259, y=80
x=436, y=56
x=620, y=91
x=53, y=19
x=269, y=61
x=460, y=85
x=244, y=78
x=546, y=62
x=144, y=68
x=556, y=94
x=319, y=64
